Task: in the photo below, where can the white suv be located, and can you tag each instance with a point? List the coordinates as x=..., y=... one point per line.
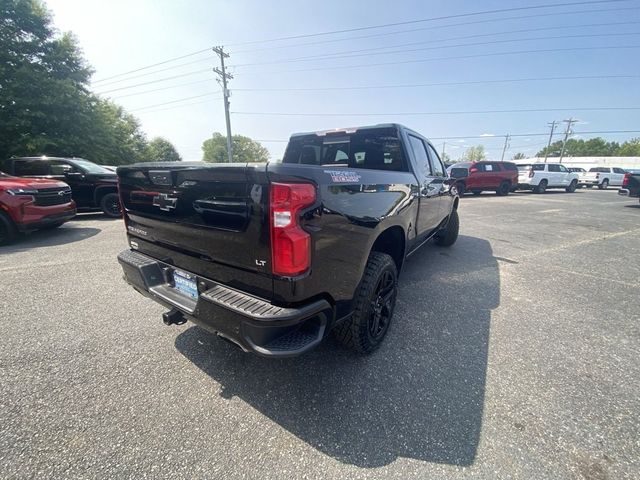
x=540, y=176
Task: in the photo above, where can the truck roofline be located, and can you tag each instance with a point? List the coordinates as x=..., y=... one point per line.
x=351, y=129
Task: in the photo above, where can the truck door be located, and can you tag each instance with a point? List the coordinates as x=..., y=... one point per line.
x=430, y=188
x=81, y=188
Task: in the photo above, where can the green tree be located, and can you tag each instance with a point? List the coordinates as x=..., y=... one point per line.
x=630, y=148
x=474, y=154
x=45, y=104
x=519, y=156
x=245, y=149
x=162, y=150
x=593, y=147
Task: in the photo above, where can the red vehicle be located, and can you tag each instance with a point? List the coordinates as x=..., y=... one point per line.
x=28, y=204
x=475, y=177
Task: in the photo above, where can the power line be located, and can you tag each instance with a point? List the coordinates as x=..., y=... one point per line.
x=459, y=112
x=423, y=20
x=375, y=51
x=154, y=65
x=154, y=81
x=179, y=106
x=455, y=57
x=434, y=27
x=180, y=65
x=163, y=88
x=175, y=101
x=434, y=84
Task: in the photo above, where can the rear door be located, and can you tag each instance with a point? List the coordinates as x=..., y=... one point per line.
x=555, y=175
x=429, y=215
x=486, y=175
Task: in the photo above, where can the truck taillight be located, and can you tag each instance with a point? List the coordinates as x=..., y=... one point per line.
x=597, y=175
x=626, y=179
x=290, y=244
x=530, y=172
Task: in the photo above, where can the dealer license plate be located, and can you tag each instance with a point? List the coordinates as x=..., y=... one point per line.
x=185, y=283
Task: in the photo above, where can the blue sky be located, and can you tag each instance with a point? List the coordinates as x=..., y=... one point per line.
x=118, y=36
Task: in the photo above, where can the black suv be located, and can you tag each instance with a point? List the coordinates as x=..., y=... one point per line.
x=93, y=187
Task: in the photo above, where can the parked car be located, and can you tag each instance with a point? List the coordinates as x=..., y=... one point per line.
x=32, y=204
x=275, y=256
x=602, y=177
x=477, y=177
x=541, y=176
x=631, y=185
x=93, y=186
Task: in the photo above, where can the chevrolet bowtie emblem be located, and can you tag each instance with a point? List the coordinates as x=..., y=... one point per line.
x=165, y=202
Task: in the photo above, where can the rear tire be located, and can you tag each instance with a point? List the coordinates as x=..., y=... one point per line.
x=572, y=186
x=374, y=305
x=460, y=186
x=449, y=234
x=7, y=230
x=110, y=205
x=503, y=189
x=541, y=188
x=604, y=185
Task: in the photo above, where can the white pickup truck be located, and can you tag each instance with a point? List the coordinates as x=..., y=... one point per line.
x=540, y=176
x=603, y=177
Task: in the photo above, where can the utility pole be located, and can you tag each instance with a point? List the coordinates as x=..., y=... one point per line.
x=553, y=127
x=567, y=132
x=506, y=145
x=225, y=94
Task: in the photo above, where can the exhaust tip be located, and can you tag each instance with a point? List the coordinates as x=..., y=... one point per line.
x=173, y=317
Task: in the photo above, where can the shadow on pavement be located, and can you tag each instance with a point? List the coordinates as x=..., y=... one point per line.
x=48, y=238
x=420, y=396
x=93, y=216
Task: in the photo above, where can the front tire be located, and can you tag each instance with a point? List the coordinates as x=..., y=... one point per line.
x=110, y=205
x=448, y=235
x=460, y=186
x=572, y=186
x=7, y=230
x=604, y=185
x=374, y=305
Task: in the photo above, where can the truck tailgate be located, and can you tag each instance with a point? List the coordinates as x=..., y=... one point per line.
x=208, y=218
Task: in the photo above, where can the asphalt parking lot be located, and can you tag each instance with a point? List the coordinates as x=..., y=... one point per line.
x=514, y=354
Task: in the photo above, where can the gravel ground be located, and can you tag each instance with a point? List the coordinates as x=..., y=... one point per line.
x=513, y=354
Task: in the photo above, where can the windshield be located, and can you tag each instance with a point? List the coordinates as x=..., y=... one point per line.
x=91, y=167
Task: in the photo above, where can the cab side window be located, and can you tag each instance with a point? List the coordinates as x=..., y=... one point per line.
x=25, y=168
x=59, y=167
x=436, y=165
x=420, y=153
x=562, y=168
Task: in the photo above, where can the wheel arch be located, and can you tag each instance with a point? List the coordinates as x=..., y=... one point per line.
x=102, y=190
x=392, y=241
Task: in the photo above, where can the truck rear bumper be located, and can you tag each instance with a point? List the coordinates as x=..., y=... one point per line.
x=254, y=324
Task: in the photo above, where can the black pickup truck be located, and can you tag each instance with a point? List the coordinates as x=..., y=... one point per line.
x=630, y=185
x=275, y=256
x=93, y=187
